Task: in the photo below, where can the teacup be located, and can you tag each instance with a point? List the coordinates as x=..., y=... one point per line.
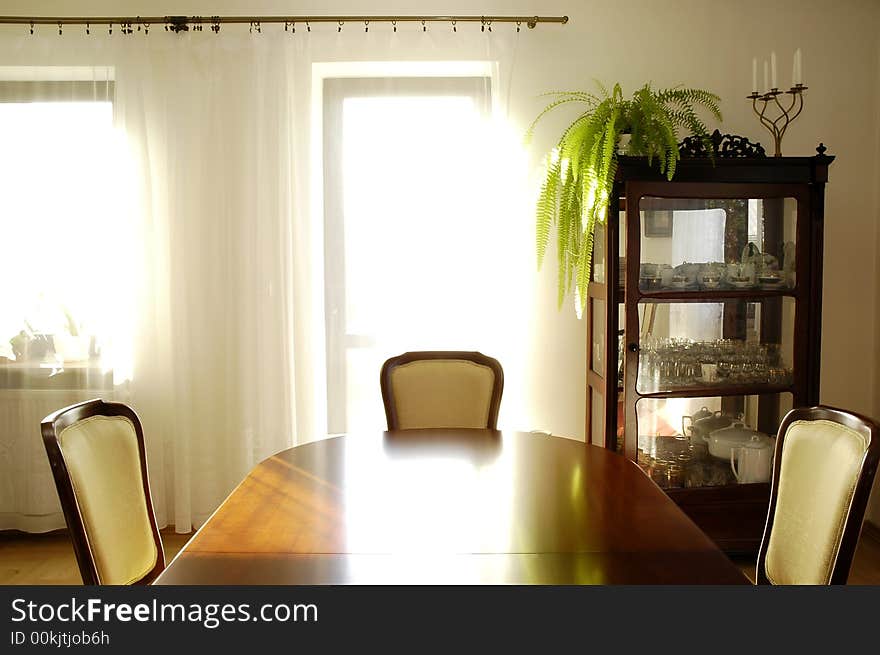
x=770, y=278
x=711, y=280
x=648, y=270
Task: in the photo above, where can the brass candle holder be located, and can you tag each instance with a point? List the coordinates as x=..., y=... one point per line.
x=778, y=126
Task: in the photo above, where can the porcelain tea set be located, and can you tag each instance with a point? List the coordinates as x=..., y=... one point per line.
x=754, y=270
x=727, y=438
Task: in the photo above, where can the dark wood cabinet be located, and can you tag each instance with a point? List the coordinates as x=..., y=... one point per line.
x=706, y=301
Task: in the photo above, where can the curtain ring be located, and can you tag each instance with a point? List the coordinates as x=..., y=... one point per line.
x=518, y=24
x=147, y=28
x=366, y=26
x=59, y=27
x=32, y=27
x=87, y=29
x=454, y=28
x=339, y=28
x=393, y=24
x=490, y=25
x=424, y=27
x=293, y=27
x=482, y=24
x=308, y=27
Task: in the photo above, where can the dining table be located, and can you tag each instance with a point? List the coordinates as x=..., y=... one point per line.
x=449, y=506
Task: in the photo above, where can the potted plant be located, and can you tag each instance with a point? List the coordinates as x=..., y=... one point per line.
x=580, y=170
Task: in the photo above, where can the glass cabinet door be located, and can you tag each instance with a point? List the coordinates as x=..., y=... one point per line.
x=711, y=328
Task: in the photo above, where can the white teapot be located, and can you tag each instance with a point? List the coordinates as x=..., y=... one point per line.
x=754, y=460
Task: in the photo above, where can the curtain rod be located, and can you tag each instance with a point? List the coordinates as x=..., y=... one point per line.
x=183, y=23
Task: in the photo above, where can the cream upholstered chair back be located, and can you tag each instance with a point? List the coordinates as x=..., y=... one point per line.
x=825, y=463
x=96, y=451
x=441, y=389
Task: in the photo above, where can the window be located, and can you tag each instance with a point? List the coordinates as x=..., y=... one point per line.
x=65, y=236
x=66, y=255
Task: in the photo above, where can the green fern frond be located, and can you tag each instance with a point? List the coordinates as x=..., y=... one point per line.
x=583, y=95
x=553, y=105
x=562, y=97
x=546, y=207
x=584, y=266
x=579, y=179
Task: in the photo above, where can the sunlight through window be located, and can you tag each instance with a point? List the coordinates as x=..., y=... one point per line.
x=433, y=251
x=67, y=243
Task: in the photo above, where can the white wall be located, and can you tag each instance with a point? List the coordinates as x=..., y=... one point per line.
x=874, y=507
x=704, y=43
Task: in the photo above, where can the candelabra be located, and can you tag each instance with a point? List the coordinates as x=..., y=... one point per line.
x=778, y=126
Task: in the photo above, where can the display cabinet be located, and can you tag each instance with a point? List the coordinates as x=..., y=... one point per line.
x=703, y=324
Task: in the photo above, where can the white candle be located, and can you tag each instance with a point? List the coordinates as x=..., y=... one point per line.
x=773, y=70
x=798, y=68
x=755, y=74
x=766, y=77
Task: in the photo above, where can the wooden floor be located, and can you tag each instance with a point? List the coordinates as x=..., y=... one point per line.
x=48, y=559
x=866, y=563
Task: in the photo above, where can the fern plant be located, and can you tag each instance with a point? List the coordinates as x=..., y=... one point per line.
x=580, y=170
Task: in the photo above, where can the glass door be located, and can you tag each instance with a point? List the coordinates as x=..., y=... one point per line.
x=406, y=230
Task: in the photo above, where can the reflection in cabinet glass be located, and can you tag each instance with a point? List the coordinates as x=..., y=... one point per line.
x=718, y=244
x=598, y=332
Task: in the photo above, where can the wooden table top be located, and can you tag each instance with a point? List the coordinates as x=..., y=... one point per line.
x=449, y=507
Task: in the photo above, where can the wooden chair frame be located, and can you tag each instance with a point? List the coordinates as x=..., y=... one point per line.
x=856, y=512
x=416, y=356
x=51, y=427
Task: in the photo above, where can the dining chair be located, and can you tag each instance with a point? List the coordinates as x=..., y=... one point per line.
x=824, y=466
x=441, y=389
x=96, y=451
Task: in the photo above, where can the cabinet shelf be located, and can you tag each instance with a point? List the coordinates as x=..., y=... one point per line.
x=755, y=295
x=675, y=296
x=724, y=492
x=717, y=391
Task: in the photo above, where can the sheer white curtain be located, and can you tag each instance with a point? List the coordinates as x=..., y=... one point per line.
x=58, y=206
x=224, y=194
x=212, y=138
